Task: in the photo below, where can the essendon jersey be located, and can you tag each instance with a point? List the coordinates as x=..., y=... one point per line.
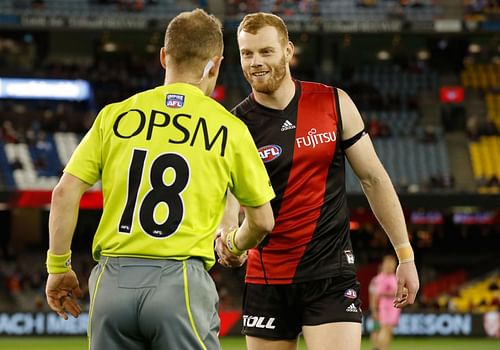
x=301, y=149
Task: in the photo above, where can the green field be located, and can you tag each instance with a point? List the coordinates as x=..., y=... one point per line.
x=237, y=343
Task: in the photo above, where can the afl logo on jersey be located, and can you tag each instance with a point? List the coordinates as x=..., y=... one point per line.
x=174, y=101
x=269, y=153
x=351, y=294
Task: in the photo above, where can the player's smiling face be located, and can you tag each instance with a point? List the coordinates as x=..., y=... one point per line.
x=262, y=59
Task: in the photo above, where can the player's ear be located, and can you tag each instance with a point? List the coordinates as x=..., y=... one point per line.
x=289, y=50
x=163, y=57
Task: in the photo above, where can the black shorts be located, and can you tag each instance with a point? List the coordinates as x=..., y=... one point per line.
x=278, y=311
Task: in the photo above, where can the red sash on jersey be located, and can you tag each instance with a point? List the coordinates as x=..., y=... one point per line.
x=314, y=149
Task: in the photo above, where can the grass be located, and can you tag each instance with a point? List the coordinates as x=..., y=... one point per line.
x=238, y=343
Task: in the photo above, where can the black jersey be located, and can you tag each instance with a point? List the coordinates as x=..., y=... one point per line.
x=300, y=147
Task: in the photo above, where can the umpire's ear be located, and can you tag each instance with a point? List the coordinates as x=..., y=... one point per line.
x=214, y=70
x=163, y=57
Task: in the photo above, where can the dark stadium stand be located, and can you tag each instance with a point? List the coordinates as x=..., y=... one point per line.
x=422, y=10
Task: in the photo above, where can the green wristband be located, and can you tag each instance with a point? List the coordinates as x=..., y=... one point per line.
x=58, y=263
x=231, y=245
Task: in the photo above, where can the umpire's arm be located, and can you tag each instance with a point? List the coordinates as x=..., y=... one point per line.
x=62, y=289
x=64, y=212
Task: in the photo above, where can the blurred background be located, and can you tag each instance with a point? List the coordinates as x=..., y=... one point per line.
x=425, y=75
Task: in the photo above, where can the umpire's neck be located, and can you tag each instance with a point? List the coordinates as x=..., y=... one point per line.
x=182, y=73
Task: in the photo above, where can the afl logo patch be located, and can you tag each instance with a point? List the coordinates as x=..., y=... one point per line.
x=174, y=101
x=350, y=293
x=269, y=153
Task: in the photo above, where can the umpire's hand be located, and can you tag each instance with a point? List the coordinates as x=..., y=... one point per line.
x=226, y=258
x=62, y=290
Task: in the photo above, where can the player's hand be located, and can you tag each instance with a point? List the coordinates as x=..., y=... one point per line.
x=62, y=291
x=226, y=258
x=408, y=284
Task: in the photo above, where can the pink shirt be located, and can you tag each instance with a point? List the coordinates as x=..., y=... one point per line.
x=386, y=284
x=386, y=289
x=372, y=287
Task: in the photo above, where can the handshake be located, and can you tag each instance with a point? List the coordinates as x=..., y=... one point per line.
x=229, y=254
x=232, y=243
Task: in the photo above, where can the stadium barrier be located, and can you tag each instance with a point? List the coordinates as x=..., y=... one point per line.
x=411, y=324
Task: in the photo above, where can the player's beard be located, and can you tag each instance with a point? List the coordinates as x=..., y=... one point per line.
x=273, y=80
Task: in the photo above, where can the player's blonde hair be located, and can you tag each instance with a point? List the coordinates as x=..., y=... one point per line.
x=192, y=38
x=252, y=23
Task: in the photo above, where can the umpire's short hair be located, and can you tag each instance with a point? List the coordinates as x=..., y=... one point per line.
x=193, y=37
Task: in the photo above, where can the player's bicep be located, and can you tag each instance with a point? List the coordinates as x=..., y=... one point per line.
x=352, y=123
x=364, y=160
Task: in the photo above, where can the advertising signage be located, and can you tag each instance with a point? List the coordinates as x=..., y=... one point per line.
x=48, y=89
x=410, y=324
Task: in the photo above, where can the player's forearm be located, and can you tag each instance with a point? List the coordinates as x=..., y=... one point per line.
x=258, y=223
x=386, y=207
x=248, y=237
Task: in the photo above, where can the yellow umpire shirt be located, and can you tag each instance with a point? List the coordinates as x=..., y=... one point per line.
x=166, y=157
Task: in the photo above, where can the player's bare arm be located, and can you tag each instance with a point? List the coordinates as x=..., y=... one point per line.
x=63, y=289
x=258, y=223
x=381, y=195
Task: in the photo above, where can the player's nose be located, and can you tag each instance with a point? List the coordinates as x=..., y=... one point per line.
x=256, y=61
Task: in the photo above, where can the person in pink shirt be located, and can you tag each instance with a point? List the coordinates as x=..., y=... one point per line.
x=373, y=303
x=385, y=285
